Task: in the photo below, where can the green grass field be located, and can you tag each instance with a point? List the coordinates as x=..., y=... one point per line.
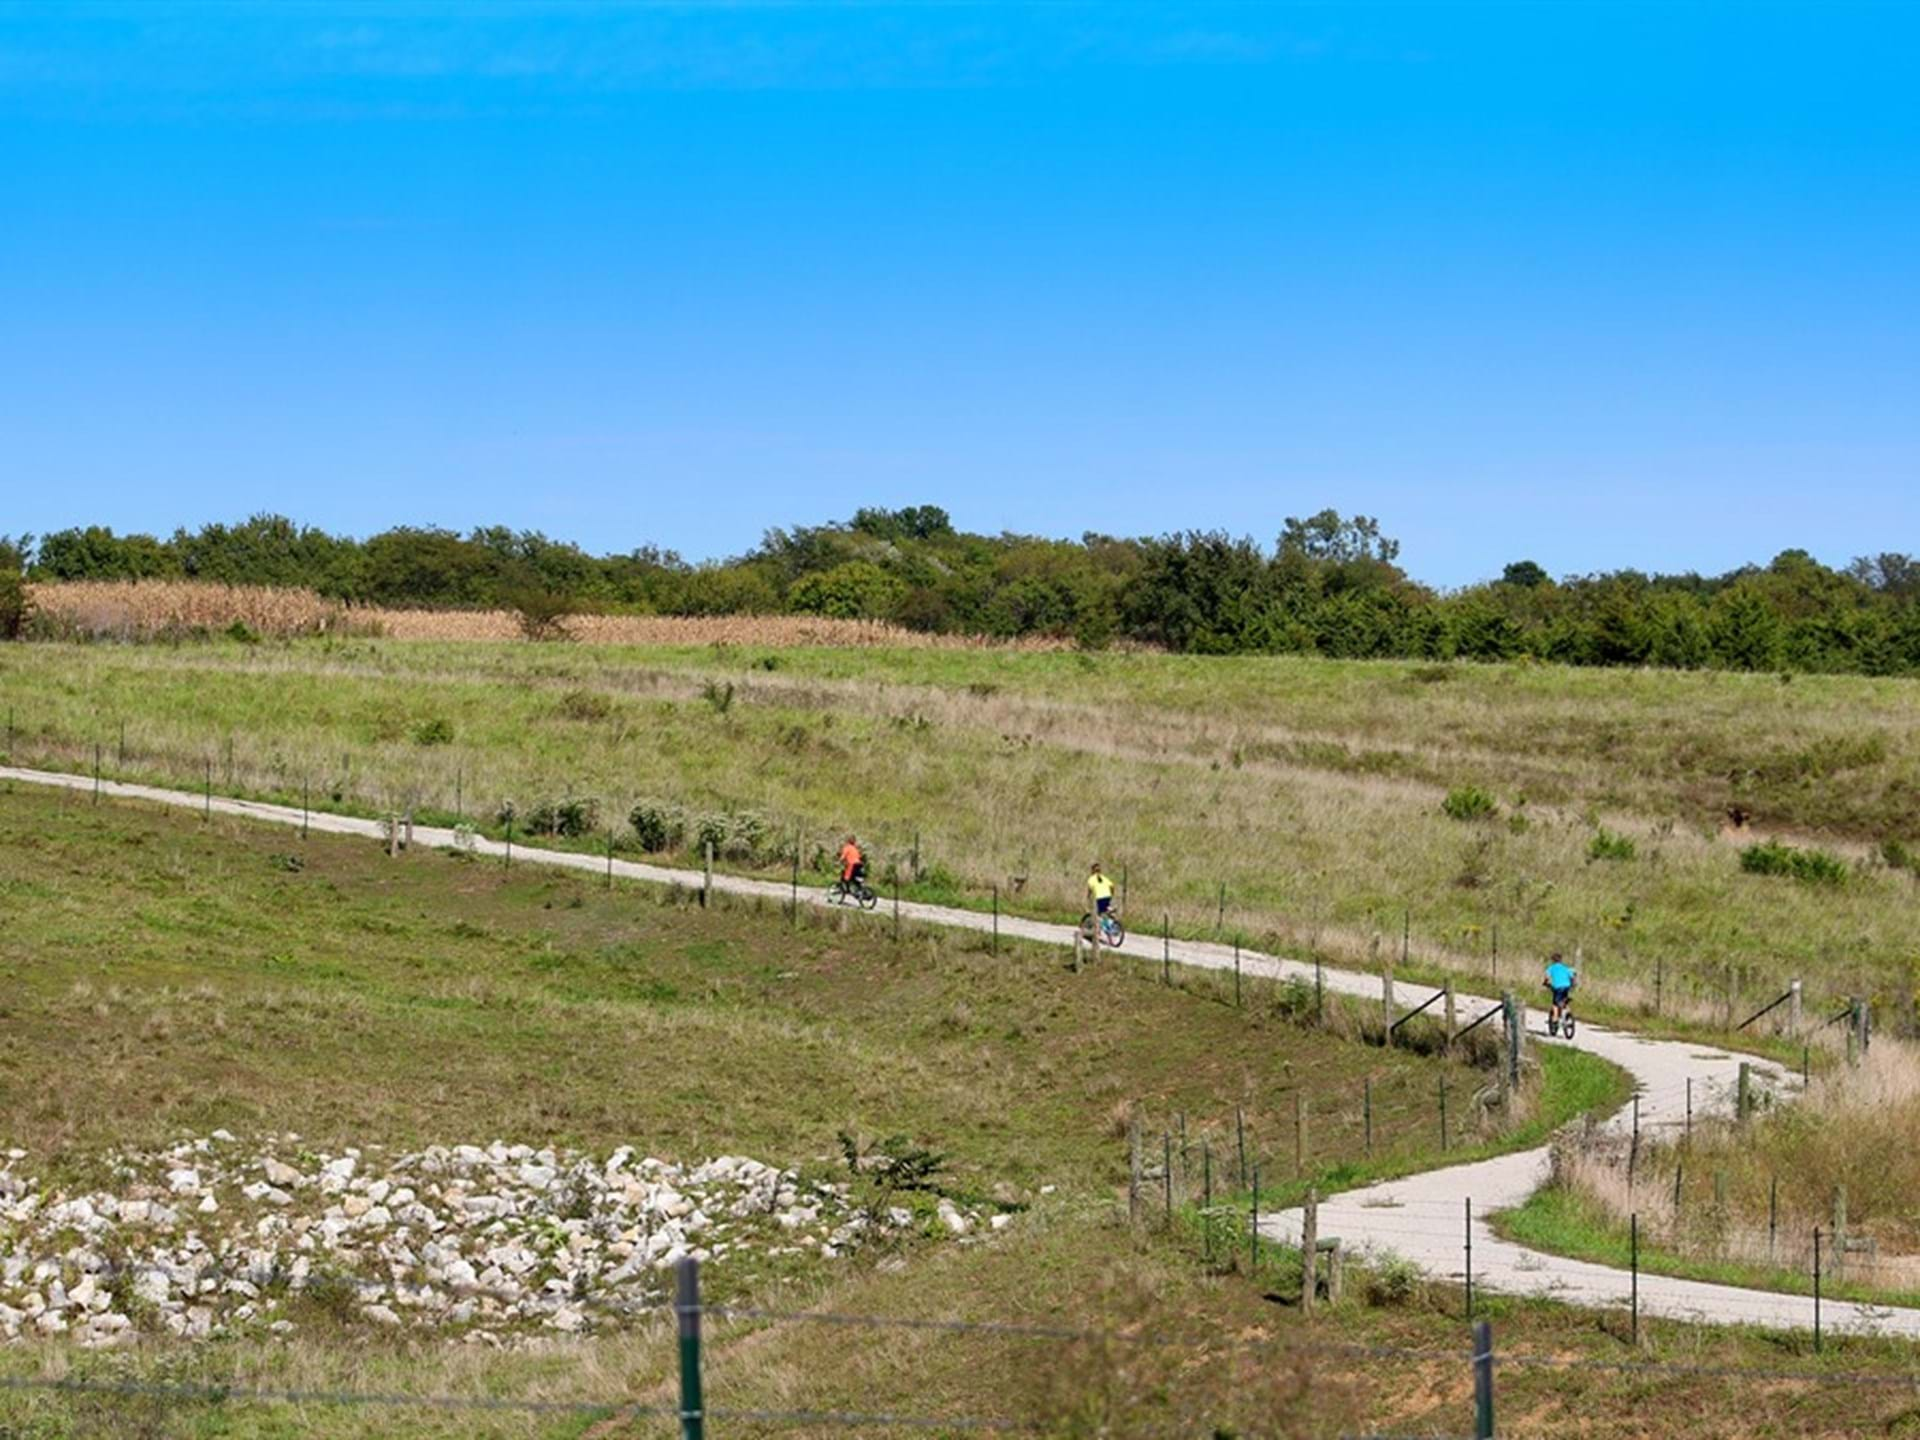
x=164, y=977
x=1297, y=802
x=1561, y=1221
x=167, y=976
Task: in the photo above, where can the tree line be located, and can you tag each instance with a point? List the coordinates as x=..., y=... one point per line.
x=1329, y=585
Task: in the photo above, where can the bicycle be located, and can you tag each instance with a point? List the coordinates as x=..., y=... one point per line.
x=1112, y=932
x=852, y=892
x=1560, y=1018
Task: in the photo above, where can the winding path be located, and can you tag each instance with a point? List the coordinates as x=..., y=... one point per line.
x=1422, y=1218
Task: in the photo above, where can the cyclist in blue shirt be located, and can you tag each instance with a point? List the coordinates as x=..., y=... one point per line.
x=1561, y=978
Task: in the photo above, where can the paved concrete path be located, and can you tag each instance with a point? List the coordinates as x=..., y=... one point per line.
x=1422, y=1218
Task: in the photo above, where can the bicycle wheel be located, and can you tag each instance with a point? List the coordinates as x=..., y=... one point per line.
x=1566, y=1027
x=1086, y=928
x=869, y=897
x=836, y=893
x=1116, y=935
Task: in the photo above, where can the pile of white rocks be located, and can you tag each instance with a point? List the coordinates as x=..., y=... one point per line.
x=489, y=1241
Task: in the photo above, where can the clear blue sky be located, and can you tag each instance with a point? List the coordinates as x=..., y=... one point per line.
x=1628, y=284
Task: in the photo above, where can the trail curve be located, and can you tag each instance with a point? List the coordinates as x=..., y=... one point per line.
x=1422, y=1218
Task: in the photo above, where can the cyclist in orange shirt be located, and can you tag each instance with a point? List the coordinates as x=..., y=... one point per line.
x=853, y=864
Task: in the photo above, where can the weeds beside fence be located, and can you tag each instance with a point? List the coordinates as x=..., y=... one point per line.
x=701, y=1333
x=440, y=784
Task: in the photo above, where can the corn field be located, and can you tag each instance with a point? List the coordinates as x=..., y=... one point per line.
x=132, y=610
x=145, y=609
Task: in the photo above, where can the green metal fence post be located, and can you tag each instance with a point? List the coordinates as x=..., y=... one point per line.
x=1469, y=1270
x=1816, y=1289
x=693, y=1420
x=1253, y=1230
x=1633, y=1240
x=1483, y=1380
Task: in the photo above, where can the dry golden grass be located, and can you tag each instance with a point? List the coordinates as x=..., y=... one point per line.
x=1853, y=1131
x=995, y=783
x=127, y=609
x=137, y=609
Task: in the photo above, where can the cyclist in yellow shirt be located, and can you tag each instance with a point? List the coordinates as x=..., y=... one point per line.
x=1099, y=890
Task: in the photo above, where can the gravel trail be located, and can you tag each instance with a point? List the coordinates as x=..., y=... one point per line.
x=1422, y=1218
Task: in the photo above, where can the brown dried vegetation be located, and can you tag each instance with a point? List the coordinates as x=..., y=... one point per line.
x=148, y=609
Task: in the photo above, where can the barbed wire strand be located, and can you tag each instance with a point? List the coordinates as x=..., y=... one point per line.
x=220, y=1394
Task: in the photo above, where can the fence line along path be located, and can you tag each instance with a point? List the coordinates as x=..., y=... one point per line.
x=1423, y=1218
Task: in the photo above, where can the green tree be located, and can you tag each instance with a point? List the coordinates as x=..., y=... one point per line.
x=1746, y=633
x=16, y=607
x=1327, y=537
x=408, y=566
x=857, y=590
x=1482, y=632
x=96, y=553
x=1200, y=592
x=1676, y=628
x=915, y=522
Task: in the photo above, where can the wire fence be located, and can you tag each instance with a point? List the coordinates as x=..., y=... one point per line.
x=1480, y=1362
x=441, y=784
x=1411, y=1226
